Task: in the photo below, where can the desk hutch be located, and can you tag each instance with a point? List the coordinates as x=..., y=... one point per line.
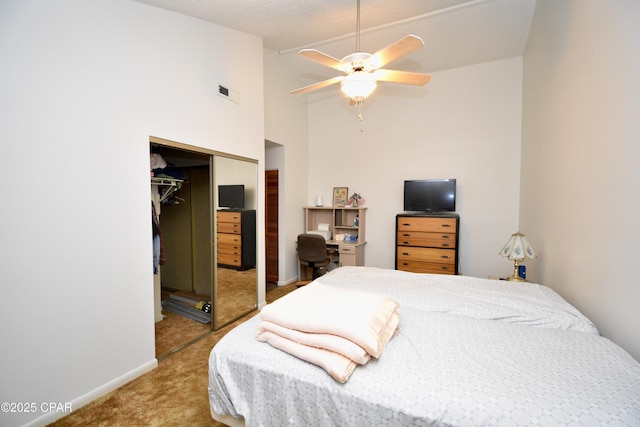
x=348, y=221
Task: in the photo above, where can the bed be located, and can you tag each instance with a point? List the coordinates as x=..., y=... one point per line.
x=467, y=351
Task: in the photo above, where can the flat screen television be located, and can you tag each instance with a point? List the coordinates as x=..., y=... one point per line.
x=430, y=195
x=231, y=196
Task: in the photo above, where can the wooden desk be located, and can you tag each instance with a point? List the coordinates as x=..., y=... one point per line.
x=341, y=220
x=348, y=253
x=345, y=254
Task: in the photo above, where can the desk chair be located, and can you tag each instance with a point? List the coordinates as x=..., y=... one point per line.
x=313, y=253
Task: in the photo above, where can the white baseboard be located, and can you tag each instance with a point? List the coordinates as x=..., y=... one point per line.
x=80, y=401
x=288, y=281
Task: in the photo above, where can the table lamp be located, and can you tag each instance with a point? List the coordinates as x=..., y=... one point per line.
x=517, y=249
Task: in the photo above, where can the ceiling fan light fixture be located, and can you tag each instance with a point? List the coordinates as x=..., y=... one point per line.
x=359, y=85
x=363, y=70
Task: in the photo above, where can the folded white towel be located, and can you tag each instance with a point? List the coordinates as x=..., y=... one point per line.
x=329, y=342
x=365, y=318
x=338, y=366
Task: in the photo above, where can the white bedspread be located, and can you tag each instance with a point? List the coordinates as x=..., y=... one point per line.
x=524, y=303
x=468, y=352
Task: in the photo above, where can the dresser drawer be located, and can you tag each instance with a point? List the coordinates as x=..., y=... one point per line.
x=434, y=240
x=229, y=227
x=232, y=239
x=229, y=249
x=229, y=259
x=426, y=267
x=430, y=224
x=442, y=256
x=229, y=217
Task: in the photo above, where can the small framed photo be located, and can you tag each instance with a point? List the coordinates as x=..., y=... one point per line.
x=340, y=196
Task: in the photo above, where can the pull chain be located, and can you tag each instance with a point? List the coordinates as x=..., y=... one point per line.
x=360, y=116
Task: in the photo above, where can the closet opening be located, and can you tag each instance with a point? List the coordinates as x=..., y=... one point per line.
x=199, y=286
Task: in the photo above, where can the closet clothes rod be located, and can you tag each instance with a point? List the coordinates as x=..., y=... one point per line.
x=171, y=184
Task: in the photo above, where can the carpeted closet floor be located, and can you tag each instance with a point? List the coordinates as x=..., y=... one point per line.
x=173, y=394
x=236, y=294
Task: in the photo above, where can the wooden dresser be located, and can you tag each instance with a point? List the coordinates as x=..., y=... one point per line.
x=427, y=243
x=236, y=237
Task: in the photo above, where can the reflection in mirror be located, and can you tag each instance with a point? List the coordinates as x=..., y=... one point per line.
x=235, y=284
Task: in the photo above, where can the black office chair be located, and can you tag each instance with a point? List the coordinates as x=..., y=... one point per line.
x=313, y=253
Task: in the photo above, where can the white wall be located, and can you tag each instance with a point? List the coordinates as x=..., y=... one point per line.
x=580, y=175
x=83, y=86
x=286, y=124
x=465, y=124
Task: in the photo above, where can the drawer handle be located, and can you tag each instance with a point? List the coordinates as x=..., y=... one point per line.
x=405, y=253
x=446, y=225
x=406, y=235
x=405, y=243
x=445, y=257
x=445, y=236
x=445, y=244
x=406, y=224
x=445, y=267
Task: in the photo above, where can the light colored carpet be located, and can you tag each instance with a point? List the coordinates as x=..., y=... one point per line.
x=236, y=293
x=174, y=331
x=173, y=394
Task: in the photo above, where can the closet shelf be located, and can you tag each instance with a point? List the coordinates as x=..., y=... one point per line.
x=169, y=185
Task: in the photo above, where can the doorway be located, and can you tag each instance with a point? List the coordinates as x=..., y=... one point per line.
x=197, y=291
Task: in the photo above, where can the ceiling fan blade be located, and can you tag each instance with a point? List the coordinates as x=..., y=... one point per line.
x=322, y=58
x=318, y=85
x=397, y=50
x=405, y=77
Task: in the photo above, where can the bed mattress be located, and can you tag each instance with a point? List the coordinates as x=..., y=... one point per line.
x=468, y=351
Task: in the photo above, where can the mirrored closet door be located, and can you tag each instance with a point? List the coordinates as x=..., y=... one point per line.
x=203, y=205
x=236, y=204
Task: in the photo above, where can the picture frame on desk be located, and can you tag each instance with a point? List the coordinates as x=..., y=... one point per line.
x=340, y=196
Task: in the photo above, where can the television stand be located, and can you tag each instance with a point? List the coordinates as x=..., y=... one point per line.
x=427, y=242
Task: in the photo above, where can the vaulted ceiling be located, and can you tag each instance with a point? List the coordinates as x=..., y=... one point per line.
x=456, y=32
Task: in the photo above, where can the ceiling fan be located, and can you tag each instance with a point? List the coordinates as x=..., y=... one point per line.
x=363, y=70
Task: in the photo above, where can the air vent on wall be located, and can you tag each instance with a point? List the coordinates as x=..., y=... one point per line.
x=228, y=93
